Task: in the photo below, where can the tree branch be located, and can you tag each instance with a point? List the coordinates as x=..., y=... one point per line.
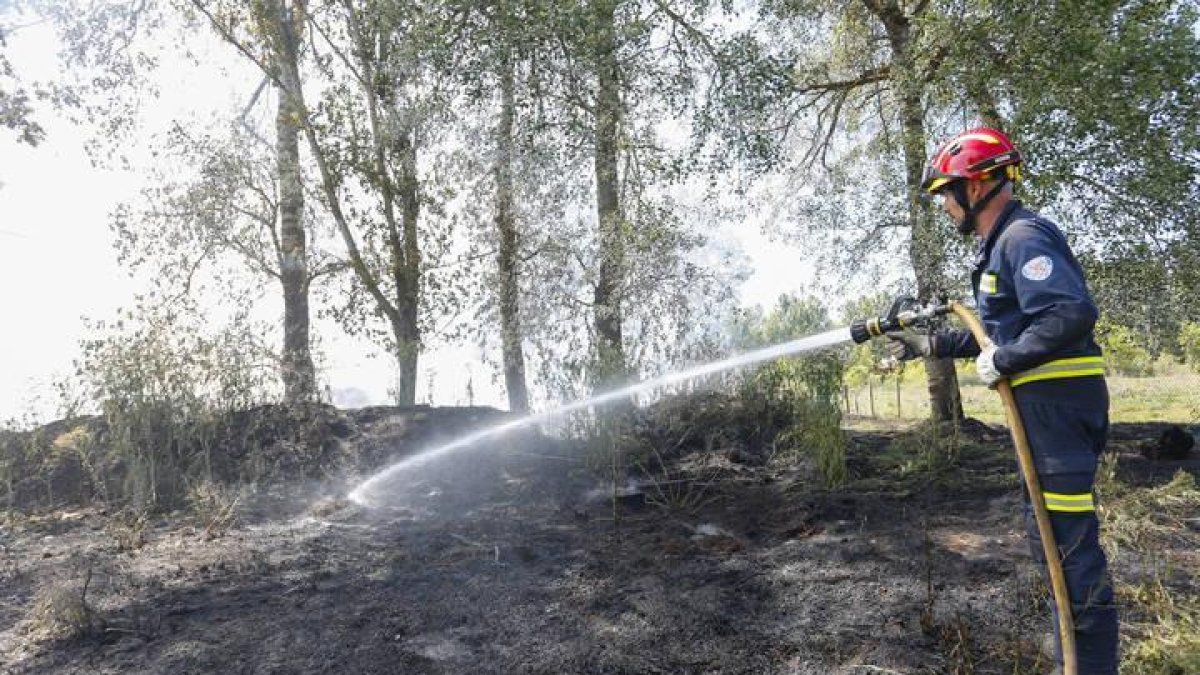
x=688, y=28
x=229, y=37
x=866, y=77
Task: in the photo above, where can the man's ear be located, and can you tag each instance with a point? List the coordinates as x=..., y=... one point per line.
x=976, y=189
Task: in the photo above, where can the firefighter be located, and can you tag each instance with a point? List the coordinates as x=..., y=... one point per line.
x=1034, y=303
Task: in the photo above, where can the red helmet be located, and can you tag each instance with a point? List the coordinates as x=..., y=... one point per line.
x=970, y=156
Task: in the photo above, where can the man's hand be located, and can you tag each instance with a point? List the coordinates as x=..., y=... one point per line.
x=905, y=345
x=985, y=365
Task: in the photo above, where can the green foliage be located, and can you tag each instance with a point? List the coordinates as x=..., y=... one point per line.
x=1189, y=344
x=1123, y=351
x=792, y=317
x=162, y=389
x=16, y=100
x=928, y=447
x=800, y=394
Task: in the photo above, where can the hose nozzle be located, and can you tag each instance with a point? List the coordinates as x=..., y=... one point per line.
x=904, y=312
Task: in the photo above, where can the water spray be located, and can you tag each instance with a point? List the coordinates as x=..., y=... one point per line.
x=904, y=312
x=375, y=484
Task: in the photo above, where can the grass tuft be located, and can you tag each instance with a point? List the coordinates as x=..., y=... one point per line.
x=1146, y=531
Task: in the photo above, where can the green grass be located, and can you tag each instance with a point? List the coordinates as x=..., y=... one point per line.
x=1148, y=531
x=1153, y=554
x=1170, y=396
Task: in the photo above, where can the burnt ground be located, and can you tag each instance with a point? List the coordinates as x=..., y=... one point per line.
x=511, y=561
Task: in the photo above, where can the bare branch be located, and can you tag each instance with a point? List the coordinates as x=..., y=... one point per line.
x=250, y=106
x=866, y=77
x=229, y=37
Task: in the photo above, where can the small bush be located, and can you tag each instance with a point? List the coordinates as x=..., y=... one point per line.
x=800, y=395
x=60, y=611
x=162, y=389
x=1123, y=351
x=214, y=507
x=128, y=530
x=1189, y=344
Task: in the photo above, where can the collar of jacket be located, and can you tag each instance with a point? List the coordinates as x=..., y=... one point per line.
x=1002, y=220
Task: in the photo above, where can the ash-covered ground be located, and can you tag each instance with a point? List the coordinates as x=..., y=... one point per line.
x=520, y=558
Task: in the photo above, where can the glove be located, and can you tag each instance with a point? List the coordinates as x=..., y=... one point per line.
x=905, y=345
x=985, y=365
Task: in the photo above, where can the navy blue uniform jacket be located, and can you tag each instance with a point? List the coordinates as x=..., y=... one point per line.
x=1032, y=296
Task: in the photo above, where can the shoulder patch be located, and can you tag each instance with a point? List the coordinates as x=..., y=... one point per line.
x=1038, y=269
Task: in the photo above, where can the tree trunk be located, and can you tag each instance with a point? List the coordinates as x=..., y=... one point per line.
x=508, y=262
x=408, y=278
x=610, y=355
x=299, y=381
x=926, y=249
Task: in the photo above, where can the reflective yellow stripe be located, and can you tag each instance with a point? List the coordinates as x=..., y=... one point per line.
x=1079, y=366
x=985, y=137
x=935, y=184
x=1069, y=503
x=987, y=283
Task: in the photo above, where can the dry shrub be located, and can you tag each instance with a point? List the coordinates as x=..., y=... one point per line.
x=214, y=506
x=162, y=387
x=1147, y=518
x=1161, y=613
x=128, y=530
x=1167, y=641
x=60, y=611
x=676, y=490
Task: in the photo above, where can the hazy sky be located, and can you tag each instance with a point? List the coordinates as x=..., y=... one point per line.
x=57, y=264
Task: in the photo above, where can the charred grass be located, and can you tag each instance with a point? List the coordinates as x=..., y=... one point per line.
x=726, y=556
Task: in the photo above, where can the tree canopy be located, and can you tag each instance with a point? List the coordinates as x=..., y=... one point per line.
x=541, y=178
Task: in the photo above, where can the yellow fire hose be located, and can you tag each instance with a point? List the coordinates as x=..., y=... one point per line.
x=1058, y=582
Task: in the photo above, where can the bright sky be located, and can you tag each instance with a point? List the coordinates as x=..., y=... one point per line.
x=58, y=266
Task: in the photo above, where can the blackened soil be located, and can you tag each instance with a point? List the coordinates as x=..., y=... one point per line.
x=516, y=562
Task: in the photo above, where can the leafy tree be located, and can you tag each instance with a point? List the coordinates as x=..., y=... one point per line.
x=16, y=107
x=279, y=27
x=113, y=48
x=1123, y=350
x=644, y=266
x=792, y=317
x=364, y=137
x=496, y=61
x=1103, y=97
x=215, y=204
x=855, y=107
x=874, y=82
x=1189, y=344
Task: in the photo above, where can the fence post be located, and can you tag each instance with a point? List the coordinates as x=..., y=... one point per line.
x=898, y=415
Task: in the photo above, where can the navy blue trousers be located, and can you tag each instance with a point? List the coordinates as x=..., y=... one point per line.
x=1067, y=424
